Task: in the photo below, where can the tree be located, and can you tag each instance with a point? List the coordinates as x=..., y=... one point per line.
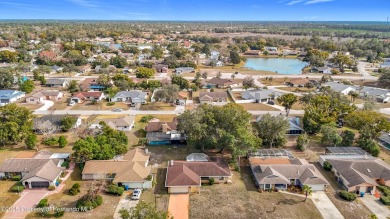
x=27, y=86
x=372, y=122
x=143, y=72
x=272, y=129
x=123, y=82
x=302, y=142
x=330, y=135
x=353, y=95
x=348, y=138
x=31, y=141
x=67, y=123
x=62, y=141
x=144, y=210
x=204, y=75
x=371, y=105
x=235, y=57
x=180, y=81
x=6, y=78
x=384, y=79
x=73, y=86
x=16, y=123
x=168, y=93
x=219, y=75
x=248, y=82
x=307, y=190
x=104, y=80
x=157, y=52
x=287, y=101
x=341, y=60
x=119, y=62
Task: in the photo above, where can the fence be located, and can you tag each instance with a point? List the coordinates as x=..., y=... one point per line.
x=240, y=101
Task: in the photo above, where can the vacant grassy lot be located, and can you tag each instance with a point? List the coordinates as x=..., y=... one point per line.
x=241, y=200
x=157, y=106
x=7, y=198
x=88, y=105
x=297, y=89
x=273, y=81
x=258, y=107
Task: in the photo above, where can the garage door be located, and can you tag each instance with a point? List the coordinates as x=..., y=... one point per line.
x=40, y=184
x=178, y=189
x=317, y=187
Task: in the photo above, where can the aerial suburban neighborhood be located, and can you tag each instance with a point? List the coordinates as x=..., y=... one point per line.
x=187, y=119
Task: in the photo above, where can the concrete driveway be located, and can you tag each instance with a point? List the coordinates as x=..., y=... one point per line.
x=127, y=203
x=178, y=205
x=327, y=209
x=46, y=105
x=23, y=206
x=373, y=203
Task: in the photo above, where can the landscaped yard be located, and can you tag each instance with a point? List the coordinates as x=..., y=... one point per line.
x=157, y=106
x=7, y=198
x=242, y=200
x=258, y=107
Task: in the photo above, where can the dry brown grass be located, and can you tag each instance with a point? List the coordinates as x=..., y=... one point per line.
x=242, y=200
x=7, y=198
x=297, y=89
x=258, y=107
x=87, y=105
x=274, y=81
x=30, y=106
x=157, y=106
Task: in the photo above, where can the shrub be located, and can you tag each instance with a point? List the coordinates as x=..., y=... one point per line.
x=385, y=190
x=327, y=166
x=17, y=188
x=110, y=103
x=59, y=212
x=147, y=118
x=50, y=141
x=31, y=141
x=115, y=190
x=16, y=178
x=51, y=188
x=385, y=200
x=65, y=164
x=62, y=142
x=43, y=203
x=211, y=181
x=349, y=196
x=125, y=214
x=75, y=189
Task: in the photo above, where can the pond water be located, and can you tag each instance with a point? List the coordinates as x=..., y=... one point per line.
x=278, y=65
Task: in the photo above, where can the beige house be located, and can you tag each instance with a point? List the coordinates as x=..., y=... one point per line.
x=212, y=97
x=39, y=97
x=131, y=170
x=125, y=123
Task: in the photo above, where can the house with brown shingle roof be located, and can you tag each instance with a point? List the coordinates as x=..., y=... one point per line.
x=80, y=97
x=212, y=97
x=221, y=83
x=188, y=176
x=40, y=96
x=131, y=170
x=163, y=133
x=298, y=82
x=361, y=175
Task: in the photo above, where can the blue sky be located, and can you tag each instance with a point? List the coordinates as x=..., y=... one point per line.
x=230, y=10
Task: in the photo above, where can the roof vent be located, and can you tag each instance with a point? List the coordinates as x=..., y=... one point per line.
x=368, y=170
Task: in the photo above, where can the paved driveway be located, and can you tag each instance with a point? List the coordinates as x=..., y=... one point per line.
x=127, y=203
x=178, y=205
x=46, y=105
x=325, y=206
x=373, y=203
x=23, y=206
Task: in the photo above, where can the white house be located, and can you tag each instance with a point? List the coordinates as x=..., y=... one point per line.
x=10, y=96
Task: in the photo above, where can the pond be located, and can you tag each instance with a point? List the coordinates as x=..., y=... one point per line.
x=278, y=65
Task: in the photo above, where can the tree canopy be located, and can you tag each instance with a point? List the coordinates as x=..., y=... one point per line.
x=272, y=129
x=143, y=72
x=287, y=101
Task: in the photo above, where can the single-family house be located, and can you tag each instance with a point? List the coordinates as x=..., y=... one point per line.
x=92, y=84
x=131, y=170
x=386, y=63
x=378, y=94
x=125, y=123
x=183, y=70
x=40, y=96
x=221, y=83
x=261, y=95
x=52, y=123
x=361, y=175
x=163, y=133
x=271, y=50
x=188, y=176
x=57, y=82
x=340, y=87
x=279, y=173
x=214, y=55
x=80, y=97
x=56, y=68
x=10, y=96
x=212, y=97
x=252, y=52
x=344, y=153
x=298, y=82
x=294, y=128
x=37, y=170
x=160, y=68
x=131, y=96
x=323, y=70
x=384, y=140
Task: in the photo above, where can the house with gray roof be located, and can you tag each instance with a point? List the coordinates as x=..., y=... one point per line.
x=340, y=87
x=378, y=94
x=132, y=96
x=182, y=70
x=57, y=82
x=261, y=95
x=361, y=175
x=10, y=96
x=52, y=123
x=125, y=123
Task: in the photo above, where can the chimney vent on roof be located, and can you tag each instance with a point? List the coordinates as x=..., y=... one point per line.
x=171, y=163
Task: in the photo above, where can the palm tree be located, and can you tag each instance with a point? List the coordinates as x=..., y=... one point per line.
x=307, y=190
x=353, y=95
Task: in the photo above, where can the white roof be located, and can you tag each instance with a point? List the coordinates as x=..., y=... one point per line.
x=197, y=157
x=59, y=155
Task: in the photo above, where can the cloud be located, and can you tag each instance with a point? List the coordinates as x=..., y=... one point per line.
x=294, y=2
x=13, y=3
x=84, y=3
x=316, y=1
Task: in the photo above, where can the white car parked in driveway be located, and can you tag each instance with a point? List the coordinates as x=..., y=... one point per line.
x=136, y=194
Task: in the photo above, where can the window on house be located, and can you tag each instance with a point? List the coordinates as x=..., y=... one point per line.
x=221, y=178
x=267, y=186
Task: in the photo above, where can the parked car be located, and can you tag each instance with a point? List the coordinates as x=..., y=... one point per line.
x=71, y=103
x=271, y=102
x=117, y=110
x=136, y=194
